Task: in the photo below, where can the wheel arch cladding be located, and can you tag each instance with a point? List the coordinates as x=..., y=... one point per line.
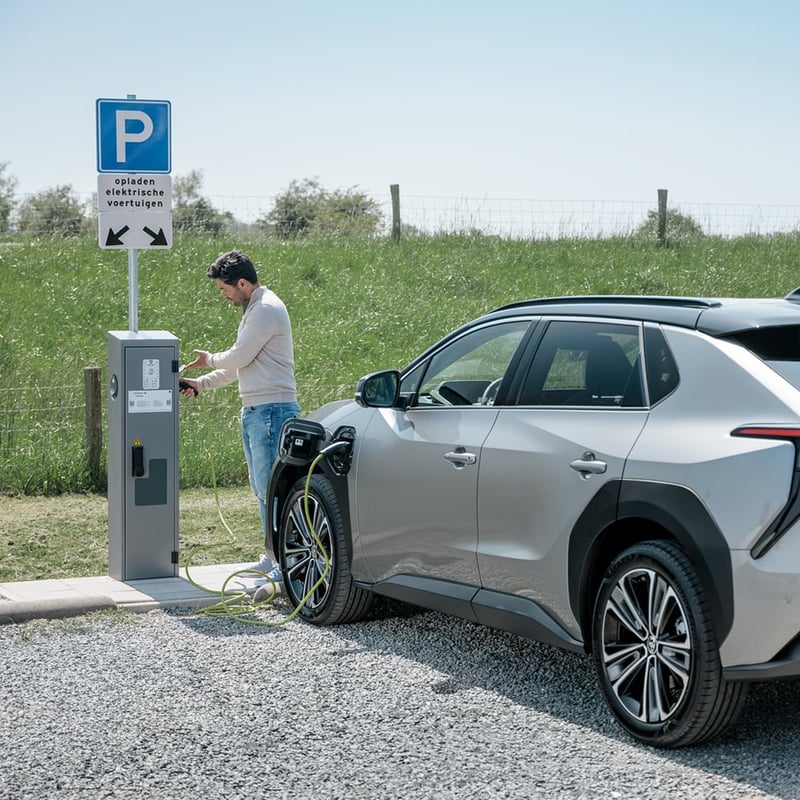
x=284, y=483
x=674, y=509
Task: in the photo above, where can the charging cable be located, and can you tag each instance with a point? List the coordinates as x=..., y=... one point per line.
x=238, y=604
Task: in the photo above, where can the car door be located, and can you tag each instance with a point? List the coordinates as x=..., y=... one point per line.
x=416, y=471
x=580, y=410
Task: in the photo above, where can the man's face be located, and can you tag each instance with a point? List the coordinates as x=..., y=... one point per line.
x=238, y=294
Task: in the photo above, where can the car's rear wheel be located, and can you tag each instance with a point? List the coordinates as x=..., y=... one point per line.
x=656, y=652
x=314, y=555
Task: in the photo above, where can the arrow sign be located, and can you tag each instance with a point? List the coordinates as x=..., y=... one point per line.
x=132, y=230
x=113, y=239
x=159, y=240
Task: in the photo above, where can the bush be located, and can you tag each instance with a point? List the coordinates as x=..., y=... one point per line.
x=306, y=207
x=193, y=213
x=679, y=226
x=8, y=185
x=55, y=212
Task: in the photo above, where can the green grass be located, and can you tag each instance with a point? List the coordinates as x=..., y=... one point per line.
x=67, y=536
x=356, y=306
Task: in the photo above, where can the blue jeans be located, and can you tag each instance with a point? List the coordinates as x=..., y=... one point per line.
x=261, y=426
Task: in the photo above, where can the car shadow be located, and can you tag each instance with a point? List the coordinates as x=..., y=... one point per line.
x=759, y=751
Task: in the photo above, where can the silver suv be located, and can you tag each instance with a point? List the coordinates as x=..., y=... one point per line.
x=612, y=475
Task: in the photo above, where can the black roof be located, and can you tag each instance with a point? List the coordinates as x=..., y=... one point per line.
x=714, y=316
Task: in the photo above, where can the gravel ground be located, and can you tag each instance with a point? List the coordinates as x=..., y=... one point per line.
x=408, y=704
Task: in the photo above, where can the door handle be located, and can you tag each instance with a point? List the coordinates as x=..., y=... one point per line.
x=460, y=458
x=588, y=465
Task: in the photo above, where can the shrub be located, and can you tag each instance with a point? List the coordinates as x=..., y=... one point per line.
x=679, y=226
x=55, y=212
x=306, y=207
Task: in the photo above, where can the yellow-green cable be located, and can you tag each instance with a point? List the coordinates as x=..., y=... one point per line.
x=231, y=603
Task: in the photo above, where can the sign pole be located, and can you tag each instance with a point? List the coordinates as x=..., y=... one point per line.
x=133, y=292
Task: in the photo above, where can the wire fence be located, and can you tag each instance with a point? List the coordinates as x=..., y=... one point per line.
x=521, y=218
x=52, y=438
x=537, y=219
x=42, y=438
x=552, y=219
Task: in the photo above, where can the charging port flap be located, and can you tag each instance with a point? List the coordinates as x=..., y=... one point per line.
x=300, y=441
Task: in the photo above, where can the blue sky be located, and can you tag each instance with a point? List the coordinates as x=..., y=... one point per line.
x=567, y=99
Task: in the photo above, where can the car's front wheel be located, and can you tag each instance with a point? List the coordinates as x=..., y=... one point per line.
x=655, y=650
x=314, y=555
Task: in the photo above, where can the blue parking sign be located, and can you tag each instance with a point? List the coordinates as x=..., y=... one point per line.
x=134, y=136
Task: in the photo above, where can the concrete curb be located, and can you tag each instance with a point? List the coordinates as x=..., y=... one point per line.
x=14, y=611
x=50, y=598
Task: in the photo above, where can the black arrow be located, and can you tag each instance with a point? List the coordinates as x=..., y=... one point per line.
x=159, y=240
x=113, y=240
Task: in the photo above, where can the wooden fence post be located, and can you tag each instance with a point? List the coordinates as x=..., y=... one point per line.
x=92, y=422
x=395, y=192
x=662, y=216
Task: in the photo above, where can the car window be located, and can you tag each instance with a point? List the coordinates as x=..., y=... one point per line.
x=410, y=381
x=470, y=369
x=778, y=346
x=662, y=371
x=581, y=363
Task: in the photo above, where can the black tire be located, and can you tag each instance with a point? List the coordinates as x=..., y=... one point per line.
x=335, y=599
x=655, y=650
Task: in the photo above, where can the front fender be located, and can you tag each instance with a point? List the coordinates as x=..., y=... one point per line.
x=281, y=480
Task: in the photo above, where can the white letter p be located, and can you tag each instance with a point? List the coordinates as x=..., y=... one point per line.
x=123, y=137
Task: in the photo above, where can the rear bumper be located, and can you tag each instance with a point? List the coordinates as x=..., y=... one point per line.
x=764, y=640
x=785, y=665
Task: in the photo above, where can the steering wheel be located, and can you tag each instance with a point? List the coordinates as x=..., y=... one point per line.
x=448, y=396
x=490, y=393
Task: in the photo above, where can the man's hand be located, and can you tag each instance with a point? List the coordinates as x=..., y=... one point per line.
x=200, y=361
x=188, y=388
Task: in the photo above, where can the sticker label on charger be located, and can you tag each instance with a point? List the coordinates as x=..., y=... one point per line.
x=150, y=402
x=150, y=373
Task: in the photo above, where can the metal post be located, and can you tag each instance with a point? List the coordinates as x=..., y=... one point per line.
x=133, y=292
x=662, y=216
x=394, y=189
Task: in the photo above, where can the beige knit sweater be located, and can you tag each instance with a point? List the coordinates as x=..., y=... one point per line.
x=262, y=357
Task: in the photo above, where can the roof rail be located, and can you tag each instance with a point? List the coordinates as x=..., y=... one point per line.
x=624, y=299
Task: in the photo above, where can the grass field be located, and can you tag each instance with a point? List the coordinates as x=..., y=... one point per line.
x=356, y=306
x=67, y=536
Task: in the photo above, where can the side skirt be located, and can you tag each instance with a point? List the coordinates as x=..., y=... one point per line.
x=506, y=612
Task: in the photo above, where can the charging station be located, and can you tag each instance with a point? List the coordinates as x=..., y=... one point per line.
x=134, y=198
x=142, y=454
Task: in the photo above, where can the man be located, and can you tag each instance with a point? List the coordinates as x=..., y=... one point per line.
x=262, y=358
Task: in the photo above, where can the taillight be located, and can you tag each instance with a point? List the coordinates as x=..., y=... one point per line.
x=791, y=511
x=768, y=431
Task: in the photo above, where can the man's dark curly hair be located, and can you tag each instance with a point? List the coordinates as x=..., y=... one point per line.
x=231, y=267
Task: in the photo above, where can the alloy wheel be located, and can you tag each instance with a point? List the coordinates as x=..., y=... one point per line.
x=646, y=645
x=306, y=557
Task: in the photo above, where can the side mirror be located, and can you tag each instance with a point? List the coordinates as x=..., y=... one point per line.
x=379, y=389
